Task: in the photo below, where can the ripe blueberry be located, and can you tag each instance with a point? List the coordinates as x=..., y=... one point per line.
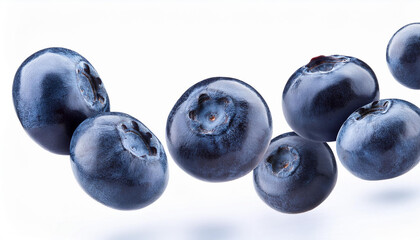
x=403, y=55
x=380, y=140
x=54, y=90
x=320, y=96
x=118, y=161
x=219, y=129
x=296, y=174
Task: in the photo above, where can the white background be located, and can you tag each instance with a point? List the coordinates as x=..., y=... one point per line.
x=148, y=53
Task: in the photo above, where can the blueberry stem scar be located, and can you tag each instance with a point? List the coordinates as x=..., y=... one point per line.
x=372, y=109
x=93, y=82
x=284, y=161
x=317, y=61
x=210, y=121
x=152, y=151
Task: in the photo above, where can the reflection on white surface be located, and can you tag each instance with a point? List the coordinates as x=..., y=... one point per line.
x=266, y=228
x=205, y=231
x=401, y=195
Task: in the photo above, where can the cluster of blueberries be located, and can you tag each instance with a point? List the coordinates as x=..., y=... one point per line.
x=220, y=128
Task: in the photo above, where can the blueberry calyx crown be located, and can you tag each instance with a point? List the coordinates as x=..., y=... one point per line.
x=284, y=161
x=135, y=140
x=324, y=63
x=374, y=107
x=210, y=113
x=90, y=84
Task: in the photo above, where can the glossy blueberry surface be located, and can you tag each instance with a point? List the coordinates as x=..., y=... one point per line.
x=403, y=55
x=54, y=90
x=319, y=96
x=219, y=129
x=381, y=140
x=296, y=174
x=118, y=161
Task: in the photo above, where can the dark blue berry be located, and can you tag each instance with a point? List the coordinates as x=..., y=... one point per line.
x=118, y=161
x=219, y=129
x=380, y=140
x=54, y=90
x=403, y=55
x=320, y=96
x=296, y=174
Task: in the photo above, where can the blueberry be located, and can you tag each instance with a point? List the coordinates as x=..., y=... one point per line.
x=296, y=174
x=118, y=161
x=320, y=96
x=219, y=129
x=54, y=90
x=403, y=55
x=380, y=140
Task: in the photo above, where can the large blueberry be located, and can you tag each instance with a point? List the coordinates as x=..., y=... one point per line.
x=54, y=90
x=118, y=161
x=320, y=96
x=403, y=55
x=219, y=129
x=296, y=174
x=380, y=140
